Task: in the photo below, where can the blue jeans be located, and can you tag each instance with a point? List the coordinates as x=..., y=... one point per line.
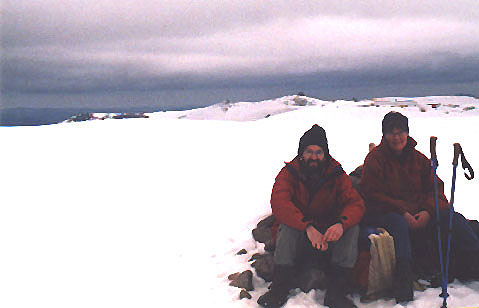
x=398, y=228
x=463, y=236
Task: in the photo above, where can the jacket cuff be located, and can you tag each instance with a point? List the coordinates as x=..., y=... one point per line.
x=307, y=221
x=343, y=220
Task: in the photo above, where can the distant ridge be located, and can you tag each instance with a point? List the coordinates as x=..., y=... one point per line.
x=43, y=116
x=241, y=111
x=251, y=111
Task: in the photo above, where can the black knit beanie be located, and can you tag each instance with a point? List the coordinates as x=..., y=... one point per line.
x=393, y=120
x=314, y=136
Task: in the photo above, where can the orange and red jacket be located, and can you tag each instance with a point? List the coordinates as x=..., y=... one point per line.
x=400, y=184
x=334, y=201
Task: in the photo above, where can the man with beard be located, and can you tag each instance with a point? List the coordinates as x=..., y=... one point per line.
x=318, y=210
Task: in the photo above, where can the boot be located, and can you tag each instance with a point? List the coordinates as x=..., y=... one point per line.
x=402, y=281
x=280, y=286
x=337, y=288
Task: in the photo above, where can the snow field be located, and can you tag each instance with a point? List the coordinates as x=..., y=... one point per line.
x=151, y=212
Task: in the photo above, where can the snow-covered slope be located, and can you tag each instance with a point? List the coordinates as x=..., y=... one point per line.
x=151, y=212
x=248, y=111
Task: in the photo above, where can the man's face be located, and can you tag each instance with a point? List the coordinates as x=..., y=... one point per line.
x=313, y=156
x=396, y=139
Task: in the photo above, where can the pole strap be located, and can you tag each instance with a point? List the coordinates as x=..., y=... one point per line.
x=458, y=152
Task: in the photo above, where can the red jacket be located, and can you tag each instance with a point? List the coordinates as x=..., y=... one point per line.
x=404, y=183
x=335, y=201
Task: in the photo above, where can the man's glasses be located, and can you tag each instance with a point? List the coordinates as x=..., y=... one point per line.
x=309, y=153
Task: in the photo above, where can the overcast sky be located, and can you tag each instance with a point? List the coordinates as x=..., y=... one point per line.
x=81, y=46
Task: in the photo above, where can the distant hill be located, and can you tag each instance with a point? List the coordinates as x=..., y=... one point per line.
x=44, y=116
x=241, y=111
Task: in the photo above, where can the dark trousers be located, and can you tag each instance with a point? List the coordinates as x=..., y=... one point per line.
x=463, y=237
x=292, y=245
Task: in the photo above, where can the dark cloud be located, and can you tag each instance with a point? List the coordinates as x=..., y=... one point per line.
x=81, y=46
x=73, y=76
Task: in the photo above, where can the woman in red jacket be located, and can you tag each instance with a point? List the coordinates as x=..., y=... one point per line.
x=397, y=184
x=318, y=210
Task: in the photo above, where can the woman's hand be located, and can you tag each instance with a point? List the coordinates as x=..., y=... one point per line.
x=422, y=218
x=411, y=221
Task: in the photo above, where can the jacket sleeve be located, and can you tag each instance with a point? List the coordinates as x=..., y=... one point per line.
x=282, y=203
x=353, y=204
x=373, y=187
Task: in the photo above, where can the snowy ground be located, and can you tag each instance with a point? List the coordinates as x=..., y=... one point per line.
x=151, y=212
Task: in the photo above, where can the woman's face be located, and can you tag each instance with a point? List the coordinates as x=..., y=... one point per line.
x=397, y=140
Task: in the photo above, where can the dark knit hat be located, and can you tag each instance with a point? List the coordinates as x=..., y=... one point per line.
x=314, y=136
x=395, y=120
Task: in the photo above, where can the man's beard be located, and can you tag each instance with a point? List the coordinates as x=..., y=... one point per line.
x=312, y=167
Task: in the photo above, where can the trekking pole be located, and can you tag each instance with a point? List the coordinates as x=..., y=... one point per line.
x=465, y=165
x=432, y=142
x=457, y=151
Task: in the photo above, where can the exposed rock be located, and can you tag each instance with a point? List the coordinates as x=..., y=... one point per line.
x=84, y=116
x=242, y=252
x=262, y=235
x=262, y=232
x=130, y=115
x=255, y=256
x=264, y=266
x=245, y=294
x=243, y=280
x=267, y=222
x=270, y=246
x=300, y=101
x=233, y=276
